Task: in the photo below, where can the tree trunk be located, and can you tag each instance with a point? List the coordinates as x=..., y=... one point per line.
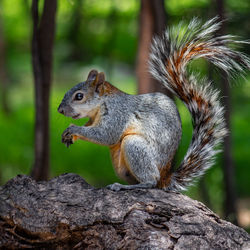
x=153, y=19
x=3, y=70
x=67, y=213
x=145, y=37
x=228, y=166
x=42, y=46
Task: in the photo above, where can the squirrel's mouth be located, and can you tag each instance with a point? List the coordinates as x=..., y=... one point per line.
x=76, y=116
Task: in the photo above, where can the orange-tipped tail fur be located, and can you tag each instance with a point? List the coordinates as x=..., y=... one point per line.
x=169, y=58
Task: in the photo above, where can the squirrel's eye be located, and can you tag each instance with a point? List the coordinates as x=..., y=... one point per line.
x=79, y=96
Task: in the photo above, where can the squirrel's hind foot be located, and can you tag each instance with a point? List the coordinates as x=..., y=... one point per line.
x=118, y=186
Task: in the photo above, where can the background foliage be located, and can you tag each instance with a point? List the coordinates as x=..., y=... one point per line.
x=103, y=34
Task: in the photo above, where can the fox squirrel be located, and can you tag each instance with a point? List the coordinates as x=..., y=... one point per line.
x=143, y=131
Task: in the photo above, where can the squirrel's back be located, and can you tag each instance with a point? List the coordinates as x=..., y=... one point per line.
x=155, y=114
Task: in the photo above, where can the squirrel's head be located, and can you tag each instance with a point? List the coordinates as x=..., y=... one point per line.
x=85, y=97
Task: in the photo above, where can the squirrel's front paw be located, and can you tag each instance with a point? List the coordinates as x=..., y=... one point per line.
x=67, y=136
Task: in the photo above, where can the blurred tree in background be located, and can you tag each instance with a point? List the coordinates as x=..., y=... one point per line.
x=42, y=50
x=227, y=165
x=106, y=34
x=3, y=71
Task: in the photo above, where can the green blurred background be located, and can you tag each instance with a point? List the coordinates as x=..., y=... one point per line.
x=103, y=34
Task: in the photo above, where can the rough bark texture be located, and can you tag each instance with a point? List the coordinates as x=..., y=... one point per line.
x=67, y=213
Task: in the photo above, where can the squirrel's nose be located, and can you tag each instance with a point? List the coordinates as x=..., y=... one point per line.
x=60, y=109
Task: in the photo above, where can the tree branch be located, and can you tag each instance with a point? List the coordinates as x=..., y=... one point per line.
x=68, y=213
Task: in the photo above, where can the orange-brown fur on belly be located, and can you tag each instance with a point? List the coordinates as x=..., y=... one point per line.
x=119, y=160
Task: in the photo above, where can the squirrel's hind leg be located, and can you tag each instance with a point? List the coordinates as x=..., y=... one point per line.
x=140, y=163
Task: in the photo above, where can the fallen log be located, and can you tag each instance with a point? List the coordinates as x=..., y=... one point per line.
x=68, y=213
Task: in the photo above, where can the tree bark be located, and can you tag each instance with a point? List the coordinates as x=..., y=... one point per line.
x=67, y=213
x=153, y=19
x=228, y=165
x=42, y=47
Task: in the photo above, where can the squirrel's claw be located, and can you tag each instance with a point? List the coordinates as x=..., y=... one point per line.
x=67, y=138
x=67, y=141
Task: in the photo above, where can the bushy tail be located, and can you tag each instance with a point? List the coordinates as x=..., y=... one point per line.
x=169, y=57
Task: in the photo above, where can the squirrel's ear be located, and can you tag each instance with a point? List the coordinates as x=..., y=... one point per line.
x=100, y=81
x=101, y=78
x=92, y=75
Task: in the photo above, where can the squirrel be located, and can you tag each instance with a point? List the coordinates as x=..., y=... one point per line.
x=143, y=131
